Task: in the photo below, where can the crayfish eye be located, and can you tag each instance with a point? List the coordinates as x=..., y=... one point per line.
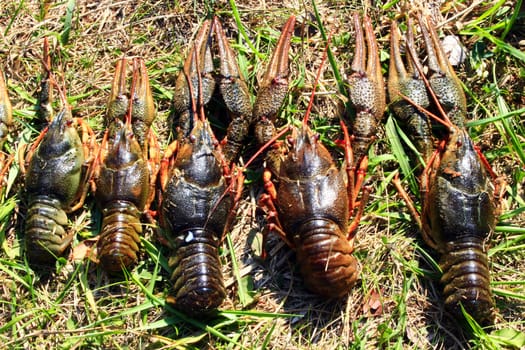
x=317, y=136
x=290, y=140
x=193, y=138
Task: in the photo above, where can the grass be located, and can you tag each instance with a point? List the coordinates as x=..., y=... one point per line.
x=397, y=301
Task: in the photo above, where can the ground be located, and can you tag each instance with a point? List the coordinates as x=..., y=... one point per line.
x=396, y=302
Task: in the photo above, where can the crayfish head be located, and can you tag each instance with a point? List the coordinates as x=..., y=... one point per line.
x=124, y=149
x=197, y=158
x=307, y=156
x=462, y=157
x=61, y=135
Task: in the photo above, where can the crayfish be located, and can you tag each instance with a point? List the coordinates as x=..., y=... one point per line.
x=125, y=170
x=200, y=193
x=59, y=166
x=312, y=201
x=458, y=188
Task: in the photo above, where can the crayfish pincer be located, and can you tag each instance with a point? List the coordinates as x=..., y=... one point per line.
x=6, y=121
x=6, y=113
x=408, y=82
x=365, y=89
x=199, y=77
x=55, y=184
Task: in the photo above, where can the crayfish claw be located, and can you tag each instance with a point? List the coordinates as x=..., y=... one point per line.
x=235, y=94
x=143, y=106
x=198, y=62
x=6, y=112
x=232, y=84
x=366, y=88
x=443, y=80
x=274, y=86
x=141, y=112
x=406, y=83
x=118, y=100
x=44, y=110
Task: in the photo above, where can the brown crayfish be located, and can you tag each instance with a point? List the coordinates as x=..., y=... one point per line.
x=312, y=201
x=458, y=188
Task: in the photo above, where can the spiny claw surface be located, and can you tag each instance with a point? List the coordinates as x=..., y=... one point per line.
x=443, y=79
x=142, y=105
x=44, y=110
x=118, y=101
x=235, y=94
x=407, y=82
x=366, y=88
x=199, y=60
x=273, y=87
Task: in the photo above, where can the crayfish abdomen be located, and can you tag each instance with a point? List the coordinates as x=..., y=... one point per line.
x=197, y=274
x=120, y=235
x=44, y=229
x=466, y=279
x=325, y=257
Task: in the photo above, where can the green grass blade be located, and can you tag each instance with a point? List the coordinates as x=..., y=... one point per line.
x=244, y=287
x=70, y=9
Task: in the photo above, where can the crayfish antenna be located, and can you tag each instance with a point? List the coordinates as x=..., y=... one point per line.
x=131, y=93
x=316, y=82
x=45, y=96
